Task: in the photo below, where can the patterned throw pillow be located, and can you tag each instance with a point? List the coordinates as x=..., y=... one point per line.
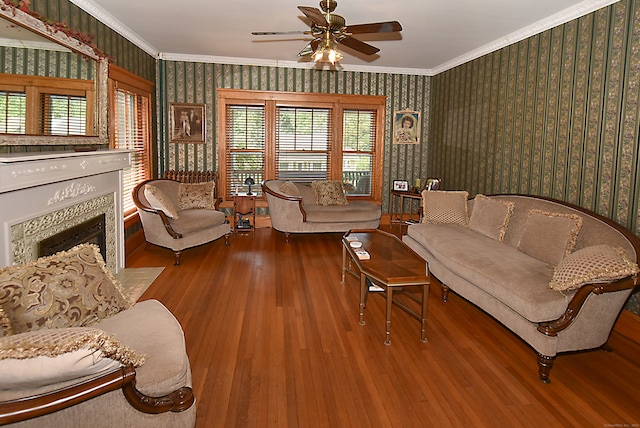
x=445, y=207
x=595, y=264
x=44, y=357
x=491, y=216
x=549, y=236
x=69, y=289
x=289, y=188
x=330, y=192
x=196, y=196
x=159, y=201
x=5, y=324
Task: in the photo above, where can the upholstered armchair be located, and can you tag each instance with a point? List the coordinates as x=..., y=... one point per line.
x=178, y=215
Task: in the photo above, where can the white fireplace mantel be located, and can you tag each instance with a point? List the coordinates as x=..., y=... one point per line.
x=50, y=188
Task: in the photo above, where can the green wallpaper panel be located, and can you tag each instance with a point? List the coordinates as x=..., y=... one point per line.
x=197, y=82
x=555, y=115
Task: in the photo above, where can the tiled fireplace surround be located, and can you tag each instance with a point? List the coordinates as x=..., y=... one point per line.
x=43, y=194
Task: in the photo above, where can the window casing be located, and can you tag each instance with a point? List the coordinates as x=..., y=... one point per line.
x=130, y=128
x=35, y=105
x=304, y=137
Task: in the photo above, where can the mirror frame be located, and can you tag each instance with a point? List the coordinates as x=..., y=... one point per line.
x=32, y=23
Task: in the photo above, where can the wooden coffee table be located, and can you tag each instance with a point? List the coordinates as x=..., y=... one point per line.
x=392, y=266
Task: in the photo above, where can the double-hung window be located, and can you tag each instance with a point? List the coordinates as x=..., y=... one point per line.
x=301, y=137
x=131, y=128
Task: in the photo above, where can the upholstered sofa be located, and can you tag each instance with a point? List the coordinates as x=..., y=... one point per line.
x=555, y=274
x=178, y=215
x=294, y=209
x=76, y=352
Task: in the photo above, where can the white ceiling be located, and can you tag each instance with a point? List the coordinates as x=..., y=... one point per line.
x=436, y=35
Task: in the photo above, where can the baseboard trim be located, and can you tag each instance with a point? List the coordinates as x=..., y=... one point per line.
x=628, y=325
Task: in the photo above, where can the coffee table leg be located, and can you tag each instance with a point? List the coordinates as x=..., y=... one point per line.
x=423, y=320
x=389, y=294
x=363, y=296
x=344, y=262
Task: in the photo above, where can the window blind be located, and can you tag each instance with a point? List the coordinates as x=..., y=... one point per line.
x=63, y=114
x=13, y=112
x=131, y=131
x=245, y=148
x=358, y=151
x=303, y=143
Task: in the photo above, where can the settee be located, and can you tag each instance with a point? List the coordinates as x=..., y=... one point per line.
x=76, y=352
x=179, y=215
x=294, y=208
x=553, y=273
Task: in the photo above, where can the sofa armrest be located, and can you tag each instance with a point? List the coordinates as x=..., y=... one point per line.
x=147, y=208
x=122, y=378
x=294, y=199
x=552, y=328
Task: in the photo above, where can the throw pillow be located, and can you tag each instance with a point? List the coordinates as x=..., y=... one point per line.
x=441, y=206
x=330, y=192
x=196, y=196
x=549, y=236
x=68, y=289
x=491, y=216
x=289, y=188
x=5, y=324
x=595, y=264
x=160, y=201
x=45, y=357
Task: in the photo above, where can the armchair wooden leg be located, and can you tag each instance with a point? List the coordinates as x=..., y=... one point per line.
x=545, y=363
x=178, y=255
x=286, y=237
x=226, y=239
x=445, y=292
x=606, y=348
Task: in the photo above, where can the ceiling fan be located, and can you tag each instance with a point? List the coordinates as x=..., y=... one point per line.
x=329, y=29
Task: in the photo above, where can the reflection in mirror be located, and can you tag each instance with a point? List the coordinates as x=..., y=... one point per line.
x=50, y=92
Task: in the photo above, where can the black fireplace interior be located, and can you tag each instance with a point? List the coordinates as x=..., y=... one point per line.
x=91, y=231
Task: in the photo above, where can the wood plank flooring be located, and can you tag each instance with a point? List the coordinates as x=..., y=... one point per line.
x=274, y=341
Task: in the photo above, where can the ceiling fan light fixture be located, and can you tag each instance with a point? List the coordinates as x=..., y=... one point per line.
x=327, y=51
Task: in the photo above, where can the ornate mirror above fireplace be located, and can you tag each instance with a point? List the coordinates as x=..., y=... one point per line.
x=38, y=58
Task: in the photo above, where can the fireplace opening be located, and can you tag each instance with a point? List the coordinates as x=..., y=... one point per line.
x=92, y=231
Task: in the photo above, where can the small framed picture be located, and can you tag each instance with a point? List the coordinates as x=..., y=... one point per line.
x=401, y=185
x=406, y=127
x=187, y=122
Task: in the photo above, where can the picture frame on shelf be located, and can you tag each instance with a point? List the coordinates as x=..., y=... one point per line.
x=188, y=122
x=401, y=185
x=406, y=127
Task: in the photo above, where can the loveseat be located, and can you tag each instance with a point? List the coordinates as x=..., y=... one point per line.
x=553, y=273
x=76, y=352
x=296, y=208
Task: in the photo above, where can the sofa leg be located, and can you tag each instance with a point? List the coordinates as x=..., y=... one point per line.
x=606, y=348
x=226, y=239
x=178, y=255
x=445, y=292
x=286, y=237
x=545, y=363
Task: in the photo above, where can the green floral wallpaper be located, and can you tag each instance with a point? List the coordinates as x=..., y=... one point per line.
x=191, y=82
x=554, y=115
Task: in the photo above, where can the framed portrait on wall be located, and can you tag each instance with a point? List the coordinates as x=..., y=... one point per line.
x=187, y=122
x=406, y=127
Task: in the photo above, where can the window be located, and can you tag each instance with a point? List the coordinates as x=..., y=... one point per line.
x=131, y=128
x=301, y=137
x=37, y=105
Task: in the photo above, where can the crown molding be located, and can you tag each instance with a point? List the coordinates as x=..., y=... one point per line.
x=552, y=21
x=559, y=18
x=110, y=21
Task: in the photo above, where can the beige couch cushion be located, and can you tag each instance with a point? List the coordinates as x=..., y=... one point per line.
x=44, y=357
x=289, y=188
x=549, y=236
x=69, y=289
x=595, y=264
x=445, y=207
x=197, y=220
x=491, y=216
x=159, y=200
x=356, y=211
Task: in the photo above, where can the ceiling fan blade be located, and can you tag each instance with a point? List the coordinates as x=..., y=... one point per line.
x=356, y=44
x=377, y=27
x=314, y=15
x=273, y=33
x=310, y=48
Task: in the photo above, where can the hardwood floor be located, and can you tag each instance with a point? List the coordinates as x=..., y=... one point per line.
x=274, y=340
